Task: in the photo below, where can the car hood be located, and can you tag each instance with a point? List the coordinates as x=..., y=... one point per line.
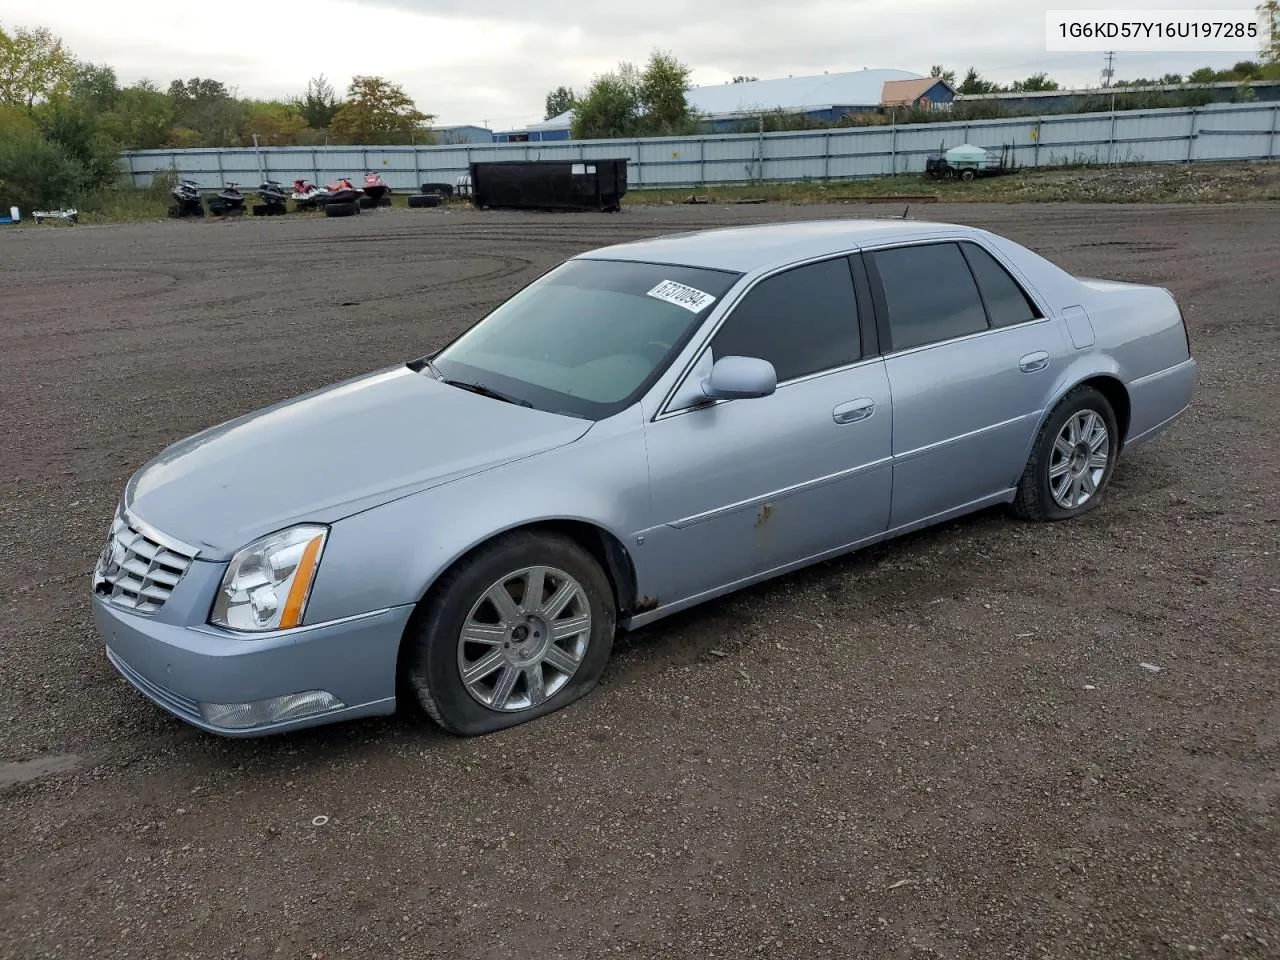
x=331, y=453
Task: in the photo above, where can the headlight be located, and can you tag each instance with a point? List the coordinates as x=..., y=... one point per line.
x=267, y=584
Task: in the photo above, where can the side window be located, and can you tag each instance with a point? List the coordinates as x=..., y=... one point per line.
x=930, y=294
x=802, y=321
x=1006, y=302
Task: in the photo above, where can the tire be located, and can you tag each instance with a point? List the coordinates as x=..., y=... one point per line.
x=367, y=202
x=217, y=208
x=350, y=208
x=426, y=200
x=261, y=210
x=434, y=652
x=384, y=200
x=443, y=189
x=967, y=174
x=1040, y=495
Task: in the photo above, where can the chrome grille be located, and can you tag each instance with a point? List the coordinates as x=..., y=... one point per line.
x=139, y=568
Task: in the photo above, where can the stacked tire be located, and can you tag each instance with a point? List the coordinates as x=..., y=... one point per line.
x=348, y=208
x=419, y=200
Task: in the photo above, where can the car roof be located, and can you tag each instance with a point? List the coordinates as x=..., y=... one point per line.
x=761, y=246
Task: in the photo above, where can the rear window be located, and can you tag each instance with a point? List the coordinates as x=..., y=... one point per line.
x=1006, y=302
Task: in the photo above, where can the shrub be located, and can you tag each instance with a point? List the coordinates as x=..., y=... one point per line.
x=36, y=173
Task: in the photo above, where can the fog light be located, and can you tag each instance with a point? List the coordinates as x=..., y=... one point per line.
x=258, y=713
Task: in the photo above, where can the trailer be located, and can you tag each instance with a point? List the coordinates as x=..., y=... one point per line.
x=550, y=184
x=71, y=215
x=967, y=161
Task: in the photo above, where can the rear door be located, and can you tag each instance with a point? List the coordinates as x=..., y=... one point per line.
x=742, y=487
x=971, y=361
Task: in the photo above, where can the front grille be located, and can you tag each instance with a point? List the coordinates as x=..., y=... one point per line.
x=138, y=570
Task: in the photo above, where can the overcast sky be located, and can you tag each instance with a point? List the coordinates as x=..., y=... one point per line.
x=493, y=61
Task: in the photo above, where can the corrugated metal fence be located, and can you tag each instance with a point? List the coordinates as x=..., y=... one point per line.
x=1217, y=132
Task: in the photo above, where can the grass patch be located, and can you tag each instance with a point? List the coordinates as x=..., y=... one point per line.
x=1150, y=183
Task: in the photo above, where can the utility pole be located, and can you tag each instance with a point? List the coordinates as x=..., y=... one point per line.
x=1109, y=71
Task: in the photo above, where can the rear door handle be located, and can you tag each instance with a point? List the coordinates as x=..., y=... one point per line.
x=1034, y=361
x=854, y=410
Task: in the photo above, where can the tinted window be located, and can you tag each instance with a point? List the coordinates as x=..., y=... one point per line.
x=930, y=294
x=587, y=338
x=802, y=321
x=1006, y=302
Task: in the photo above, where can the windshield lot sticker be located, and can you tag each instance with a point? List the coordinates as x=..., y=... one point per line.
x=690, y=298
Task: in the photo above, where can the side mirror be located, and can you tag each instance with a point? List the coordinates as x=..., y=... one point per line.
x=740, y=378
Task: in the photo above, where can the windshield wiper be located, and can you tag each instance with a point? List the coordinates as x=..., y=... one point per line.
x=484, y=391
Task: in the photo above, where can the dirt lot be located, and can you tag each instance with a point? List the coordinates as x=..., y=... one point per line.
x=944, y=747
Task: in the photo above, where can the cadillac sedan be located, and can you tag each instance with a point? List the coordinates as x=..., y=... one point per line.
x=642, y=428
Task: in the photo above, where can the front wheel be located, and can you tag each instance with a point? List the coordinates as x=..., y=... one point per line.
x=1072, y=460
x=519, y=629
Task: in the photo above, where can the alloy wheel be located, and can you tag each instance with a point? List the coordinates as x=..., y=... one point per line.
x=1078, y=462
x=524, y=638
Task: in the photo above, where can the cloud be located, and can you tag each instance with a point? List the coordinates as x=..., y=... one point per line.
x=469, y=61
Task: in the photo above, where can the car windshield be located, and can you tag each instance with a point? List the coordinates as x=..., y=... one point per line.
x=586, y=339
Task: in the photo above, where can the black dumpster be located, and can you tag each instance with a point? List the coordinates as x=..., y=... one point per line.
x=550, y=184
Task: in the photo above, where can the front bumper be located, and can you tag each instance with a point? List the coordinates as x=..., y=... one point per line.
x=181, y=667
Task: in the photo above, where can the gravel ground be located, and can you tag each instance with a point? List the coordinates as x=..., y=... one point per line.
x=946, y=746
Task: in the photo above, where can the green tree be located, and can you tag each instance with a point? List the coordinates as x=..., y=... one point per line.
x=1269, y=13
x=611, y=106
x=663, y=96
x=629, y=102
x=141, y=118
x=34, y=172
x=94, y=86
x=558, y=101
x=378, y=111
x=1036, y=83
x=34, y=66
x=974, y=84
x=82, y=136
x=275, y=124
x=939, y=73
x=318, y=104
x=209, y=109
x=1203, y=75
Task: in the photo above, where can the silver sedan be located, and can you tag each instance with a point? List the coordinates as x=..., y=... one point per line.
x=642, y=428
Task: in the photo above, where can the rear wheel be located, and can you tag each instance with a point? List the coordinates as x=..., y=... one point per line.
x=519, y=629
x=1072, y=461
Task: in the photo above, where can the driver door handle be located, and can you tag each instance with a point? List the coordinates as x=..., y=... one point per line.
x=854, y=410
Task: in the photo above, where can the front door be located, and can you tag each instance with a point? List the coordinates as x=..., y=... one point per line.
x=742, y=487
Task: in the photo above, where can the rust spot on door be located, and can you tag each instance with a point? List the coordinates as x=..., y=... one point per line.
x=763, y=516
